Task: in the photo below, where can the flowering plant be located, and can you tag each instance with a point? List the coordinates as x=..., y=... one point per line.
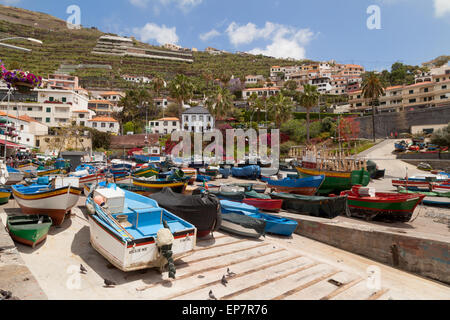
x=16, y=77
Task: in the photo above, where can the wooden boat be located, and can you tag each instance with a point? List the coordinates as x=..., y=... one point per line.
x=393, y=206
x=30, y=229
x=132, y=232
x=51, y=171
x=324, y=207
x=273, y=224
x=28, y=166
x=157, y=185
x=146, y=172
x=306, y=186
x=273, y=205
x=14, y=176
x=47, y=200
x=5, y=194
x=202, y=210
x=439, y=199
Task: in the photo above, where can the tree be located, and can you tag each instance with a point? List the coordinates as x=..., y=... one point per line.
x=281, y=108
x=308, y=99
x=135, y=105
x=256, y=105
x=372, y=89
x=220, y=102
x=182, y=89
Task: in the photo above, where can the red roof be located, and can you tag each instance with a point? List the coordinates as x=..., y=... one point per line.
x=103, y=119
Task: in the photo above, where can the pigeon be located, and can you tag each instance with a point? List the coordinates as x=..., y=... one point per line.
x=224, y=281
x=5, y=294
x=109, y=283
x=212, y=296
x=83, y=269
x=230, y=273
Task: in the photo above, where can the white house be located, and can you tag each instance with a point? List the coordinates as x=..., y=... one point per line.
x=165, y=125
x=26, y=128
x=197, y=119
x=104, y=124
x=137, y=79
x=53, y=108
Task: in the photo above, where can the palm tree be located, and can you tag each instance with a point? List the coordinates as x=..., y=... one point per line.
x=182, y=89
x=308, y=99
x=256, y=104
x=220, y=102
x=372, y=89
x=281, y=108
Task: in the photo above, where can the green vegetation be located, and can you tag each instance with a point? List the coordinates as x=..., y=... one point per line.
x=442, y=137
x=372, y=90
x=400, y=74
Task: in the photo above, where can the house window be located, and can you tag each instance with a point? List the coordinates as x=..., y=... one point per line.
x=81, y=116
x=49, y=110
x=82, y=123
x=411, y=91
x=444, y=87
x=174, y=123
x=111, y=125
x=47, y=120
x=21, y=127
x=30, y=108
x=152, y=124
x=166, y=123
x=444, y=97
x=201, y=118
x=51, y=99
x=64, y=99
x=94, y=125
x=186, y=118
x=194, y=118
x=209, y=118
x=38, y=142
x=103, y=125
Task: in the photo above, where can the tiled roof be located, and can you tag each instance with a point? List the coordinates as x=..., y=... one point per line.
x=168, y=119
x=99, y=101
x=103, y=119
x=81, y=111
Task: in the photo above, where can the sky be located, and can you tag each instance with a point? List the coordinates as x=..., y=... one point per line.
x=373, y=33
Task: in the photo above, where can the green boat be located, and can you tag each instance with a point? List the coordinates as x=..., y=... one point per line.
x=336, y=181
x=146, y=172
x=30, y=229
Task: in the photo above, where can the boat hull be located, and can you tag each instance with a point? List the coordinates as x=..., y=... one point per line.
x=266, y=205
x=14, y=178
x=235, y=228
x=136, y=256
x=55, y=203
x=4, y=196
x=28, y=234
x=336, y=181
x=151, y=187
x=383, y=206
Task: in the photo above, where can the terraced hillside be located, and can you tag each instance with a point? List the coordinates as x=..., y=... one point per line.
x=65, y=46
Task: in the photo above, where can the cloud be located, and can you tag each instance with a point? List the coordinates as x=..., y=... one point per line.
x=441, y=8
x=209, y=35
x=284, y=41
x=184, y=5
x=161, y=34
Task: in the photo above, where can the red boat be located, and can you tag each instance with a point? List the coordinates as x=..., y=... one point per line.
x=265, y=204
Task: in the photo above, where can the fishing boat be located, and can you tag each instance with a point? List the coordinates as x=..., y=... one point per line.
x=27, y=166
x=201, y=210
x=412, y=184
x=203, y=178
x=401, y=146
x=132, y=232
x=324, y=207
x=392, y=206
x=272, y=205
x=439, y=199
x=341, y=171
x=14, y=176
x=156, y=185
x=50, y=171
x=306, y=186
x=249, y=172
x=273, y=224
x=191, y=173
x=54, y=200
x=30, y=229
x=5, y=194
x=146, y=171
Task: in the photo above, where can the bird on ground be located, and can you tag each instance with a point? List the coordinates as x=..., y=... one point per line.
x=83, y=269
x=212, y=296
x=109, y=283
x=230, y=273
x=224, y=281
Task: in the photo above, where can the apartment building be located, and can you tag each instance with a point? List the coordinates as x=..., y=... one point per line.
x=62, y=81
x=165, y=126
x=52, y=107
x=420, y=95
x=112, y=96
x=260, y=92
x=27, y=129
x=101, y=107
x=323, y=84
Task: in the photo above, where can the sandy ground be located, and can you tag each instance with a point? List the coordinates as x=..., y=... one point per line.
x=275, y=267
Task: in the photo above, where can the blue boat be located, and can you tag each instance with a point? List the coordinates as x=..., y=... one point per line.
x=276, y=225
x=305, y=186
x=437, y=202
x=225, y=172
x=401, y=146
x=202, y=178
x=249, y=172
x=132, y=232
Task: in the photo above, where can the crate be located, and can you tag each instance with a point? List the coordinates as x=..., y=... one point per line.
x=114, y=199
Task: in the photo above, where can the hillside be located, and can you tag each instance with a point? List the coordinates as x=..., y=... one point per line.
x=64, y=46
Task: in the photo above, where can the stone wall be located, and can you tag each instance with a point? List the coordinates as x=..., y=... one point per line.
x=400, y=122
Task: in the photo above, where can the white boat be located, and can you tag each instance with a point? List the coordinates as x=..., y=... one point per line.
x=54, y=201
x=84, y=177
x=15, y=176
x=128, y=230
